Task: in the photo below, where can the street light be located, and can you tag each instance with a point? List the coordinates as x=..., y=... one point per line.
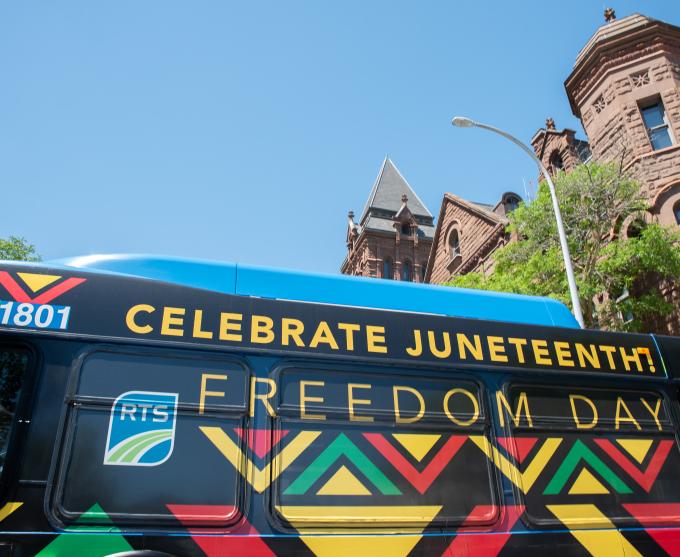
x=462, y=122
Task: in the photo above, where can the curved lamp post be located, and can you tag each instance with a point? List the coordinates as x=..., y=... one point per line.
x=462, y=122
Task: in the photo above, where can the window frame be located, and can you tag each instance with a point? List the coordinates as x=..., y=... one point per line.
x=638, y=386
x=357, y=370
x=406, y=271
x=22, y=416
x=650, y=103
x=63, y=445
x=387, y=264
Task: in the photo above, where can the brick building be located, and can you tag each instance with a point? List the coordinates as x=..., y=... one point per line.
x=625, y=90
x=394, y=234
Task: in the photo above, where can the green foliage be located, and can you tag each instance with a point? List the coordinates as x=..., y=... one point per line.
x=594, y=200
x=17, y=249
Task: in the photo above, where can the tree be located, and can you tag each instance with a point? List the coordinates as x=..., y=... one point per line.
x=17, y=249
x=617, y=270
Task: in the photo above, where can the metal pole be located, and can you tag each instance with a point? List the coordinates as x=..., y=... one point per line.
x=463, y=122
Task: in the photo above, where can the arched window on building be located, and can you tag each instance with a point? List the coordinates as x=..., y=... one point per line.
x=676, y=212
x=636, y=227
x=556, y=163
x=511, y=203
x=423, y=271
x=406, y=271
x=454, y=243
x=387, y=268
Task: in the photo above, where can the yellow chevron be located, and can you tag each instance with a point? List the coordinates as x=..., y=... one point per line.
x=259, y=478
x=606, y=541
x=523, y=480
x=8, y=508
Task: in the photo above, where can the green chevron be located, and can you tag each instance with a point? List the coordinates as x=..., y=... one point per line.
x=81, y=540
x=341, y=446
x=577, y=453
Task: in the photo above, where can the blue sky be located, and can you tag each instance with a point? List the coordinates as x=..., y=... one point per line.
x=246, y=131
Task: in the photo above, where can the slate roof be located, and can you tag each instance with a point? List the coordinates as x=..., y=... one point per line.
x=384, y=202
x=388, y=189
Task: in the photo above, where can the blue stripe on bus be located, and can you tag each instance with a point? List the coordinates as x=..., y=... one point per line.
x=343, y=290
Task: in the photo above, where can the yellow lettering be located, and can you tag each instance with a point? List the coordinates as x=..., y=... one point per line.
x=172, y=316
x=620, y=405
x=503, y=404
x=541, y=352
x=577, y=420
x=292, y=329
x=261, y=329
x=519, y=344
x=132, y=324
x=452, y=417
x=198, y=321
x=655, y=412
x=496, y=349
x=323, y=335
x=264, y=397
x=397, y=415
x=464, y=345
x=446, y=352
x=350, y=329
x=609, y=351
x=590, y=354
x=630, y=358
x=205, y=377
x=351, y=401
x=228, y=329
x=375, y=336
x=417, y=349
x=304, y=399
x=564, y=356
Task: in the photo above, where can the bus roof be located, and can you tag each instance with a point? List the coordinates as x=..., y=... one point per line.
x=263, y=282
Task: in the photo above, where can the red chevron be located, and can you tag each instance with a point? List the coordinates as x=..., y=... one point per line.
x=20, y=295
x=647, y=478
x=657, y=514
x=517, y=447
x=260, y=440
x=247, y=540
x=420, y=480
x=468, y=544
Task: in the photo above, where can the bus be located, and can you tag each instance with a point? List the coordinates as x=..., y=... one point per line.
x=166, y=407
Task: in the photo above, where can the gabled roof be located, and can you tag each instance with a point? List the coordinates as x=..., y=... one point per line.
x=388, y=190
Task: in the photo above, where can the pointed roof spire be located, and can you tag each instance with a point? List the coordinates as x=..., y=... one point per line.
x=388, y=191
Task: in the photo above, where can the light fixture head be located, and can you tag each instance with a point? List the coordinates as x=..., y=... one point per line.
x=463, y=122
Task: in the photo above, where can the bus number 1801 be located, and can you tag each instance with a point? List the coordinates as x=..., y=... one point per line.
x=40, y=316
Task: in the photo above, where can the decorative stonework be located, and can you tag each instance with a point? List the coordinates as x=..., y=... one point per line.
x=599, y=105
x=640, y=79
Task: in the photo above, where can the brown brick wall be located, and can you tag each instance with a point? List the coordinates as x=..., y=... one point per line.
x=480, y=233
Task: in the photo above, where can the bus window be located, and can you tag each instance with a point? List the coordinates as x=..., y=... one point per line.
x=384, y=450
x=134, y=450
x=13, y=364
x=586, y=457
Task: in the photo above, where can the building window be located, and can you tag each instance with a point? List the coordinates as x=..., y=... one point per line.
x=387, y=269
x=406, y=228
x=511, y=203
x=423, y=271
x=676, y=212
x=454, y=244
x=656, y=123
x=406, y=271
x=556, y=162
x=636, y=227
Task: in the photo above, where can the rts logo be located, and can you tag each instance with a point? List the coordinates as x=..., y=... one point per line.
x=141, y=429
